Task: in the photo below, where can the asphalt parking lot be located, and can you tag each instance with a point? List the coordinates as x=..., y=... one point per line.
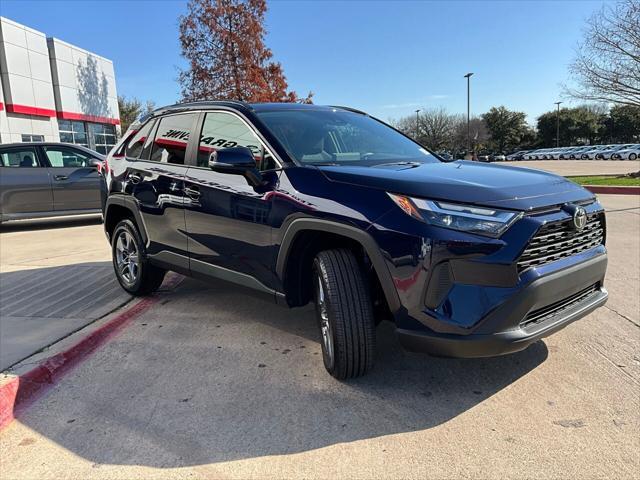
x=210, y=382
x=580, y=167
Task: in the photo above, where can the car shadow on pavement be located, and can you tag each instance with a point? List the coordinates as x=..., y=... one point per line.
x=212, y=375
x=40, y=306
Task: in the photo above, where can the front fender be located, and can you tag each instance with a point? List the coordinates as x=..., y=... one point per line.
x=298, y=225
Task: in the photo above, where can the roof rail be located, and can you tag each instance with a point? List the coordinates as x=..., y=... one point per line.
x=199, y=103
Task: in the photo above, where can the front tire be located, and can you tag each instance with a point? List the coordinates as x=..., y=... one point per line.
x=345, y=314
x=632, y=156
x=134, y=272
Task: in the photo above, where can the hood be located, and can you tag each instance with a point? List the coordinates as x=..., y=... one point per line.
x=466, y=182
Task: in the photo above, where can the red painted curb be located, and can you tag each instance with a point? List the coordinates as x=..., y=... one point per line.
x=23, y=390
x=613, y=189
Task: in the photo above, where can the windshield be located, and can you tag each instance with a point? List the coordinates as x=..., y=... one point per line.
x=338, y=137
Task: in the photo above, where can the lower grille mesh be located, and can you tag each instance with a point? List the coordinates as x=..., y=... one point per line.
x=545, y=313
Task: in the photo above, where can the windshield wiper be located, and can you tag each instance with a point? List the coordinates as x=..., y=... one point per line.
x=321, y=164
x=408, y=164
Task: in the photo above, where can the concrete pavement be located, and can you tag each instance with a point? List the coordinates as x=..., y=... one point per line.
x=212, y=383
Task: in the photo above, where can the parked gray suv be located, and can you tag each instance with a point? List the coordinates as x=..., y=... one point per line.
x=48, y=179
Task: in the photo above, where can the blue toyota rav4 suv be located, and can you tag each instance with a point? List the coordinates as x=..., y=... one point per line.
x=308, y=203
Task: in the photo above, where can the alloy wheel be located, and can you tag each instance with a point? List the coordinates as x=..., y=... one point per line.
x=127, y=258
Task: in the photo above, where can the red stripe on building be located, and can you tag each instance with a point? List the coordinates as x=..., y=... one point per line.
x=88, y=118
x=27, y=110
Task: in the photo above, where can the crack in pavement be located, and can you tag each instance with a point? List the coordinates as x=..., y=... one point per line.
x=622, y=209
x=615, y=365
x=630, y=320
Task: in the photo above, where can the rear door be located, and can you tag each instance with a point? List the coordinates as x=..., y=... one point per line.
x=75, y=181
x=156, y=159
x=25, y=186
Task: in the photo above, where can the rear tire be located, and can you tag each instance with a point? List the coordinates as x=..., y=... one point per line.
x=632, y=156
x=345, y=314
x=132, y=268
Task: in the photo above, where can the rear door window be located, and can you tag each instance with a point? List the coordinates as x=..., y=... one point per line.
x=19, y=158
x=172, y=137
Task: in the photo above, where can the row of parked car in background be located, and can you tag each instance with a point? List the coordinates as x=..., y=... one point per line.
x=628, y=151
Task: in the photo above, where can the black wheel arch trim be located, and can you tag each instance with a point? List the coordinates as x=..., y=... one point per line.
x=129, y=204
x=367, y=242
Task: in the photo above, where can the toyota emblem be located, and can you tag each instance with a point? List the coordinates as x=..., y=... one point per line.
x=579, y=218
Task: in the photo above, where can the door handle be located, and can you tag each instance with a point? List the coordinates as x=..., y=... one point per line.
x=60, y=178
x=133, y=178
x=192, y=192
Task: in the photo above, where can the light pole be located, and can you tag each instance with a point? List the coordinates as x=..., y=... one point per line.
x=558, y=125
x=468, y=77
x=417, y=122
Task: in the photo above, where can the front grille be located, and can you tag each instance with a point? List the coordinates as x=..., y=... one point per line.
x=545, y=313
x=560, y=240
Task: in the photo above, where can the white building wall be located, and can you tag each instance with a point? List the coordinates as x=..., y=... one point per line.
x=4, y=127
x=84, y=83
x=44, y=81
x=29, y=105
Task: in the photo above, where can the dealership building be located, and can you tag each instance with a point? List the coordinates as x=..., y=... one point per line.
x=53, y=91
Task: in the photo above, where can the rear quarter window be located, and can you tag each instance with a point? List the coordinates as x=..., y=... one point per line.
x=136, y=144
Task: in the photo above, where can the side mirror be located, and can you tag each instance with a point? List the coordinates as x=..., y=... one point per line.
x=95, y=163
x=236, y=161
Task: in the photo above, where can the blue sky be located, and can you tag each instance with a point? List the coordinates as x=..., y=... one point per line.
x=385, y=57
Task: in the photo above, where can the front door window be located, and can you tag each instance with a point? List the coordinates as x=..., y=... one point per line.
x=222, y=130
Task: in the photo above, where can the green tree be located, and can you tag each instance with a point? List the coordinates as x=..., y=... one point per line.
x=149, y=107
x=506, y=128
x=622, y=125
x=130, y=110
x=580, y=125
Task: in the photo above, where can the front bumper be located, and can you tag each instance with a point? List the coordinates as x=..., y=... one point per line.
x=504, y=330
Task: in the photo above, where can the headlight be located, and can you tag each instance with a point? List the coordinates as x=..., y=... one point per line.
x=465, y=218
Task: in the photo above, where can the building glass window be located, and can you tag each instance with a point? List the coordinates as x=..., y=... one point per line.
x=104, y=136
x=73, y=132
x=28, y=138
x=97, y=136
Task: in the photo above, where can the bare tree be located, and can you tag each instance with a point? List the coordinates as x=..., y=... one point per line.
x=479, y=133
x=607, y=65
x=436, y=128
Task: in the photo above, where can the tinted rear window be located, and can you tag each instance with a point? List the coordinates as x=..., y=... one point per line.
x=172, y=137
